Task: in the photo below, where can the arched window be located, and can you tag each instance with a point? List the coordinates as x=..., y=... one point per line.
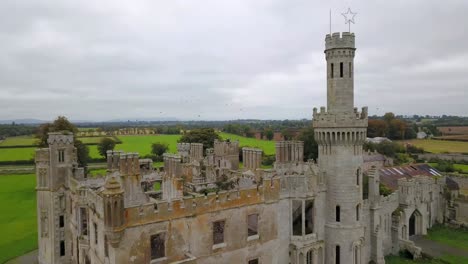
x=357, y=212
x=337, y=254
x=337, y=212
x=356, y=255
x=310, y=257
x=358, y=178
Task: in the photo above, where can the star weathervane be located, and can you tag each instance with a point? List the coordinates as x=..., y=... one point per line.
x=349, y=18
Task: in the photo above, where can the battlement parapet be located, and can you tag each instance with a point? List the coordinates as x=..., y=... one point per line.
x=224, y=148
x=340, y=41
x=189, y=206
x=172, y=164
x=125, y=163
x=327, y=119
x=289, y=151
x=64, y=138
x=252, y=158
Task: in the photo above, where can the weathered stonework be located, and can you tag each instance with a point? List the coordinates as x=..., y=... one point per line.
x=299, y=212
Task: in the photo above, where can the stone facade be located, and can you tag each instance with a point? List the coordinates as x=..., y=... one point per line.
x=210, y=211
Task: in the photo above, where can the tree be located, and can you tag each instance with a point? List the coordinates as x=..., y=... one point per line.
x=60, y=124
x=388, y=117
x=377, y=128
x=82, y=152
x=157, y=151
x=310, y=145
x=105, y=145
x=206, y=136
x=269, y=134
x=287, y=134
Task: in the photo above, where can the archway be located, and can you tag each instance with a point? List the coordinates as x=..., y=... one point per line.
x=415, y=222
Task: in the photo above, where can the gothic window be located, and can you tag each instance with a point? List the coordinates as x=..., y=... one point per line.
x=252, y=224
x=309, y=217
x=356, y=255
x=218, y=232
x=61, y=155
x=254, y=261
x=337, y=255
x=157, y=246
x=357, y=212
x=61, y=221
x=337, y=213
x=331, y=71
x=341, y=70
x=84, y=221
x=95, y=233
x=62, y=248
x=310, y=257
x=297, y=217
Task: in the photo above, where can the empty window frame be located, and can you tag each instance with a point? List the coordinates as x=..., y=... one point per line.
x=297, y=217
x=337, y=213
x=61, y=221
x=252, y=225
x=309, y=217
x=341, y=70
x=61, y=155
x=337, y=255
x=253, y=261
x=62, y=248
x=218, y=232
x=158, y=248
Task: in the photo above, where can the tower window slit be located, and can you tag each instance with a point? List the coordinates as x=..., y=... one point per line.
x=337, y=211
x=350, y=70
x=331, y=71
x=341, y=70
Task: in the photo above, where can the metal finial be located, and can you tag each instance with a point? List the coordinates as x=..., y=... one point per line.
x=349, y=18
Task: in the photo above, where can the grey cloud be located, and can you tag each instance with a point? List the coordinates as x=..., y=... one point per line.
x=214, y=59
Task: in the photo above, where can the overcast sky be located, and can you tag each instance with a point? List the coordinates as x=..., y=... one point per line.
x=220, y=59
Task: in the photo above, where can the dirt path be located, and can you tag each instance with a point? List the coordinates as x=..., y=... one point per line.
x=436, y=249
x=29, y=258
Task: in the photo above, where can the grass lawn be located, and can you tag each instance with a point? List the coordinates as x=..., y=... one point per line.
x=267, y=146
x=449, y=236
x=12, y=154
x=19, y=141
x=90, y=140
x=401, y=260
x=439, y=146
x=18, y=224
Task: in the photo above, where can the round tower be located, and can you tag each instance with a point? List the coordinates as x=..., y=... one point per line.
x=340, y=132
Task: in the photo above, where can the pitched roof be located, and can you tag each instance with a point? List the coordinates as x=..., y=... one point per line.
x=389, y=176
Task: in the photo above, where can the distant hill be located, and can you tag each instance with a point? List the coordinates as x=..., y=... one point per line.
x=26, y=121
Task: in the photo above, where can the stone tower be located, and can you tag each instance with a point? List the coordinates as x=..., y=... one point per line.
x=53, y=167
x=340, y=132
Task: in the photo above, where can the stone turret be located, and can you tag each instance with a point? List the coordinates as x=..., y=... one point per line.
x=340, y=131
x=172, y=186
x=114, y=218
x=54, y=166
x=289, y=151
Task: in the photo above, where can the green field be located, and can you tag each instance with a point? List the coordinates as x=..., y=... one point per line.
x=19, y=141
x=268, y=147
x=401, y=260
x=140, y=144
x=18, y=218
x=13, y=154
x=90, y=140
x=463, y=167
x=439, y=146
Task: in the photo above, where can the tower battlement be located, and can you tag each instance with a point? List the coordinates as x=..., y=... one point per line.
x=326, y=119
x=339, y=41
x=125, y=163
x=59, y=138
